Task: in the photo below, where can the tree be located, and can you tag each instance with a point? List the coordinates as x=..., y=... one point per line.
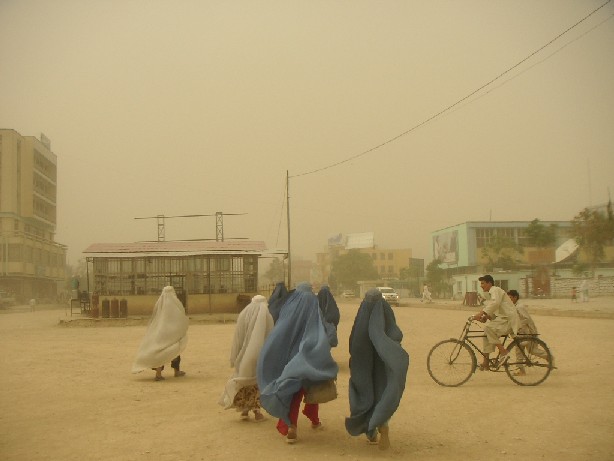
x=436, y=277
x=541, y=236
x=351, y=267
x=276, y=272
x=500, y=252
x=592, y=230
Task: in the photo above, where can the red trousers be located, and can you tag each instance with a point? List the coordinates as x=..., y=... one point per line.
x=310, y=410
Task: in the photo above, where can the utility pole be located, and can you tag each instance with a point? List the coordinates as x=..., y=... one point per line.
x=288, y=219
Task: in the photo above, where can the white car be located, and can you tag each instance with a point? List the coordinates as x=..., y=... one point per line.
x=348, y=294
x=389, y=295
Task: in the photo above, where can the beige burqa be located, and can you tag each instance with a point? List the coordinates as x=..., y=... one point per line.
x=253, y=326
x=166, y=335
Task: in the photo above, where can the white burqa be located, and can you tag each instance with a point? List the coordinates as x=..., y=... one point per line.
x=253, y=326
x=166, y=336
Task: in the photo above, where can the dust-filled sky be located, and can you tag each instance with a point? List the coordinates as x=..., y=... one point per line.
x=192, y=107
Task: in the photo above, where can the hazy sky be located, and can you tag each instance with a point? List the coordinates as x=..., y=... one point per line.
x=186, y=107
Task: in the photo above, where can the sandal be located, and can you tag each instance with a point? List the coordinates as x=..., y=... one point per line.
x=159, y=378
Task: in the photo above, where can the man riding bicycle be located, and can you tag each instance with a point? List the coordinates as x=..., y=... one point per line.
x=501, y=312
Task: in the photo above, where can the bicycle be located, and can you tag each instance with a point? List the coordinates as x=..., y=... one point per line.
x=453, y=361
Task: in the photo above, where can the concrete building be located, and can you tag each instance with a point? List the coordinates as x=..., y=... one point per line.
x=208, y=276
x=467, y=251
x=32, y=263
x=387, y=261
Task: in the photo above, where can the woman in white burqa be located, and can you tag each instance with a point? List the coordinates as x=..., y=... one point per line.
x=253, y=326
x=165, y=338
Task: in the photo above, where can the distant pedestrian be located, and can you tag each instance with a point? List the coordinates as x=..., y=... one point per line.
x=32, y=304
x=584, y=291
x=426, y=294
x=574, y=295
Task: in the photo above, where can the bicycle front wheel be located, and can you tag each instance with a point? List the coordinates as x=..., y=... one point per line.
x=530, y=361
x=451, y=363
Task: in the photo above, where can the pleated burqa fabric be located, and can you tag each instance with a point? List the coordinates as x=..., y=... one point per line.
x=166, y=335
x=378, y=366
x=295, y=355
x=330, y=314
x=253, y=326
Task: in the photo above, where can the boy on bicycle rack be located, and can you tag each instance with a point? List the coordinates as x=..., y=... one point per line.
x=501, y=312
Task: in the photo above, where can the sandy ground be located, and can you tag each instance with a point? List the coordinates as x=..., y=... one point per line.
x=67, y=394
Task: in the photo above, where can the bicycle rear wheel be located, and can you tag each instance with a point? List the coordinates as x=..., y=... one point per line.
x=451, y=363
x=530, y=361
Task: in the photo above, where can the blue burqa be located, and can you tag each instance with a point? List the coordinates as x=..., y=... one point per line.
x=277, y=299
x=330, y=314
x=378, y=366
x=295, y=355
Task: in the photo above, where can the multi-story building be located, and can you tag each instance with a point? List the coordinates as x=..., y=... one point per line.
x=504, y=249
x=32, y=263
x=387, y=261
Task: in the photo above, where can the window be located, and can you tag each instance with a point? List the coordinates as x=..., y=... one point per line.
x=14, y=252
x=391, y=269
x=382, y=256
x=390, y=256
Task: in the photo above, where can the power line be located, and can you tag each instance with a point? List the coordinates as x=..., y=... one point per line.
x=432, y=117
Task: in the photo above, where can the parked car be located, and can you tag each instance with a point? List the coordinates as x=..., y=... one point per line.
x=389, y=295
x=348, y=294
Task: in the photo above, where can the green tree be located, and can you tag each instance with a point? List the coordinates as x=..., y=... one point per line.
x=541, y=236
x=276, y=272
x=593, y=230
x=500, y=252
x=351, y=267
x=436, y=277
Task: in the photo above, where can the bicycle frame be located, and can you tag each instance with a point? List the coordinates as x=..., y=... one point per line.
x=467, y=336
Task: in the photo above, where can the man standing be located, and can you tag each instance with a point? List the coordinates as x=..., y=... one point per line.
x=501, y=312
x=584, y=291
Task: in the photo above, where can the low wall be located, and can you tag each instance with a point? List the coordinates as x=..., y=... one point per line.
x=561, y=287
x=228, y=303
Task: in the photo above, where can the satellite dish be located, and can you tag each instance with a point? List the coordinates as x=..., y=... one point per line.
x=566, y=250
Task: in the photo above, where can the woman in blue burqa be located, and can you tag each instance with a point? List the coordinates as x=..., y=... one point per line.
x=330, y=314
x=378, y=368
x=296, y=355
x=278, y=298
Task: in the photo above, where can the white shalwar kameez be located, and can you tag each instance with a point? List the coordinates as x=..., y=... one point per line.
x=166, y=335
x=501, y=309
